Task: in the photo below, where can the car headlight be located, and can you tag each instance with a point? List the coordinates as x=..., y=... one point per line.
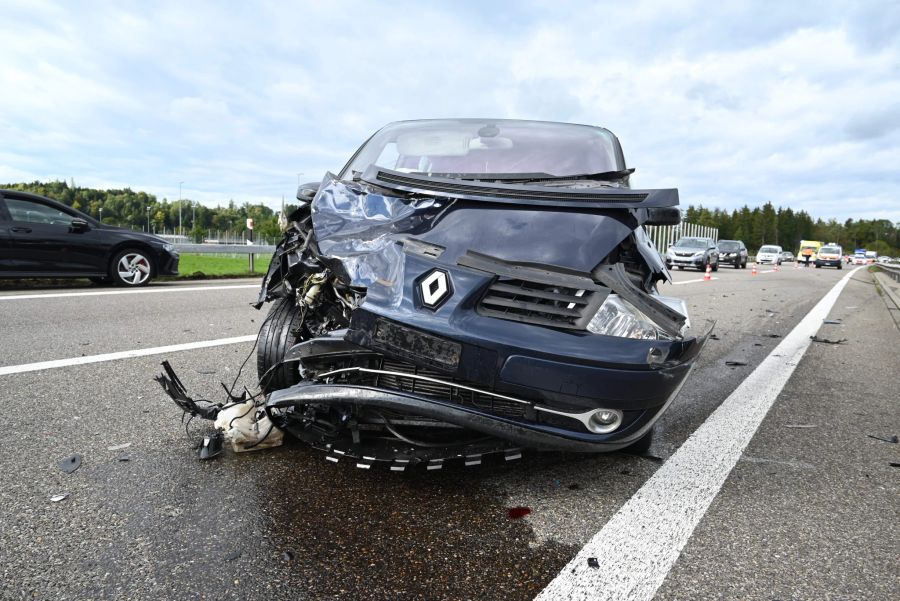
x=617, y=317
x=169, y=247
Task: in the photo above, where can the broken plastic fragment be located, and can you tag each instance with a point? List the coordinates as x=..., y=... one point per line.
x=892, y=439
x=119, y=447
x=248, y=428
x=735, y=363
x=70, y=463
x=800, y=425
x=517, y=513
x=593, y=563
x=123, y=457
x=211, y=445
x=59, y=497
x=828, y=340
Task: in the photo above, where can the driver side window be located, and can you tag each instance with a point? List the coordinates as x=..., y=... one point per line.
x=29, y=211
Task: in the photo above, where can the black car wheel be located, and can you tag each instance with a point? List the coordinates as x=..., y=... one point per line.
x=276, y=337
x=131, y=267
x=715, y=267
x=744, y=264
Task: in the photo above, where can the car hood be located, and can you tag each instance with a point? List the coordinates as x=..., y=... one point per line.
x=132, y=233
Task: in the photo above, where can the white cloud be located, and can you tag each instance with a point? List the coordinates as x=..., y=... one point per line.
x=732, y=102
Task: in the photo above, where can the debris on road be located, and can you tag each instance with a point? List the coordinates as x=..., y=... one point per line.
x=773, y=335
x=123, y=457
x=517, y=513
x=593, y=563
x=212, y=445
x=800, y=425
x=735, y=363
x=574, y=486
x=248, y=428
x=833, y=322
x=70, y=463
x=233, y=555
x=119, y=447
x=60, y=497
x=893, y=439
x=287, y=556
x=828, y=340
x=894, y=464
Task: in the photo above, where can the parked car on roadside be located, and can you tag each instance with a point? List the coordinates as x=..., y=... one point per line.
x=693, y=252
x=733, y=252
x=471, y=286
x=769, y=254
x=42, y=238
x=830, y=256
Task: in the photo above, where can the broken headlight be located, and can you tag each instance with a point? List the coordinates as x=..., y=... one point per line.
x=617, y=317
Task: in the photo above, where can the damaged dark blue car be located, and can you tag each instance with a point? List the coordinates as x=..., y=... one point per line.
x=473, y=286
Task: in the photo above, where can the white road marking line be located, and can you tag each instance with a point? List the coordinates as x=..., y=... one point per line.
x=639, y=545
x=141, y=291
x=691, y=281
x=158, y=350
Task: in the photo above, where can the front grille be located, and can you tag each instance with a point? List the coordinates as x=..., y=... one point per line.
x=540, y=304
x=443, y=392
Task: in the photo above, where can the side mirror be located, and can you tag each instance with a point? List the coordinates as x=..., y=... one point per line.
x=306, y=192
x=79, y=225
x=663, y=216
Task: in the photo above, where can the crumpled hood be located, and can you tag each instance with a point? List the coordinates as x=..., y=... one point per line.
x=367, y=229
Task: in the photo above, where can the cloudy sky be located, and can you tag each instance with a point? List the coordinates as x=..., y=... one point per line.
x=732, y=102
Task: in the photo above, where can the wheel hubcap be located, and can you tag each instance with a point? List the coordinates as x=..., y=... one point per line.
x=134, y=269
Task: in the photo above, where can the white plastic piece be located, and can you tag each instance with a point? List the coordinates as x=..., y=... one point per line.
x=248, y=428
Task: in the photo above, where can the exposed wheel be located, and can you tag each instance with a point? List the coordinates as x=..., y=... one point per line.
x=277, y=336
x=840, y=266
x=744, y=265
x=716, y=266
x=641, y=445
x=818, y=266
x=131, y=267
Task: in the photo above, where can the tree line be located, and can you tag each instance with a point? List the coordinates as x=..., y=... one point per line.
x=144, y=212
x=757, y=226
x=786, y=227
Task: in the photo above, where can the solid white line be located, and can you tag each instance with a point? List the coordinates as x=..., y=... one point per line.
x=141, y=291
x=158, y=350
x=639, y=545
x=691, y=281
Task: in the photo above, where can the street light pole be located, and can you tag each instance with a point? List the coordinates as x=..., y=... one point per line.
x=148, y=220
x=101, y=214
x=180, y=229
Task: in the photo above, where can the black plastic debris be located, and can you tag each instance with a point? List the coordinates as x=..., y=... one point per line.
x=894, y=464
x=735, y=363
x=212, y=445
x=892, y=439
x=713, y=337
x=123, y=457
x=798, y=426
x=70, y=463
x=287, y=556
x=175, y=389
x=574, y=486
x=233, y=555
x=833, y=322
x=773, y=335
x=828, y=340
x=593, y=563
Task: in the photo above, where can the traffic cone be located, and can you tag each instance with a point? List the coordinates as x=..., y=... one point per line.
x=777, y=267
x=753, y=271
x=707, y=277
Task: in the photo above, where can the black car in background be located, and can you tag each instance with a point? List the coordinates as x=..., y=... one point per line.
x=40, y=237
x=733, y=252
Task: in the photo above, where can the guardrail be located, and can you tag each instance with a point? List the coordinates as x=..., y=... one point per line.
x=891, y=270
x=225, y=249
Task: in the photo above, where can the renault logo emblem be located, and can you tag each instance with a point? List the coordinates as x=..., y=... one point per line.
x=435, y=288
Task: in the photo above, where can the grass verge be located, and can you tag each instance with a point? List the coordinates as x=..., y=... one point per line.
x=192, y=266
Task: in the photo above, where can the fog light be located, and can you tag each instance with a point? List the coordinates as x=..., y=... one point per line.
x=603, y=421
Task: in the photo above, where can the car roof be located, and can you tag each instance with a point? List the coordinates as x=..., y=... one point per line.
x=6, y=193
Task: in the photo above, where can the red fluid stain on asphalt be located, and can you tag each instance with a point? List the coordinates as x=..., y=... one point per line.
x=517, y=513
